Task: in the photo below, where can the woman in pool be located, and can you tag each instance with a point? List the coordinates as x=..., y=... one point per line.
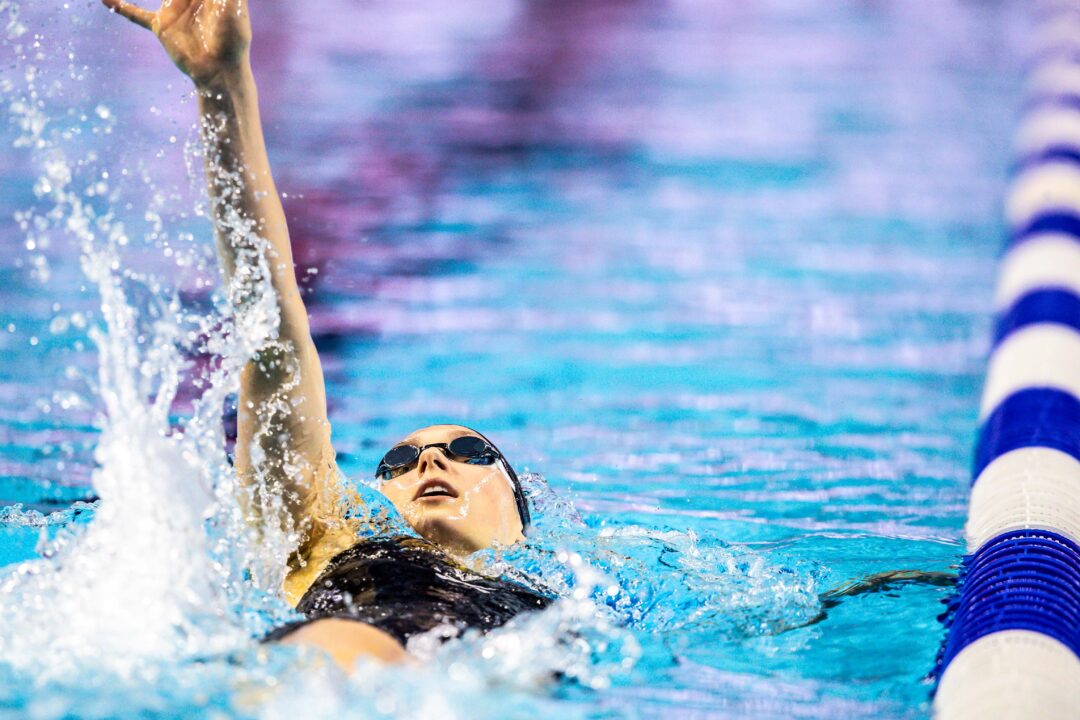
x=449, y=482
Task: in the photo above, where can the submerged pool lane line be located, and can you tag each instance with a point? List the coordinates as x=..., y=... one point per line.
x=1012, y=648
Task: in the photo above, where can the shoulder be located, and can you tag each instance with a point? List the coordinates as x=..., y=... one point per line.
x=313, y=556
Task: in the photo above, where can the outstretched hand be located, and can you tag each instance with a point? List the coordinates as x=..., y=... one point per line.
x=205, y=38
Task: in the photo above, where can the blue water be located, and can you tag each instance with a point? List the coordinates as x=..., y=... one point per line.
x=718, y=271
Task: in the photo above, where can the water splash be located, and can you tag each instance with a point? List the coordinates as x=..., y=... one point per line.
x=170, y=572
x=169, y=559
x=140, y=581
x=18, y=516
x=662, y=580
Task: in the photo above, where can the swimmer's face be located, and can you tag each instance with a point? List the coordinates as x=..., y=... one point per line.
x=460, y=506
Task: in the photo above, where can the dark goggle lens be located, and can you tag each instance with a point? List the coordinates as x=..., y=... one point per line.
x=473, y=449
x=396, y=458
x=469, y=448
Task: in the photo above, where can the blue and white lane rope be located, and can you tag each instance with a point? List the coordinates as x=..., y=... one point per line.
x=1012, y=649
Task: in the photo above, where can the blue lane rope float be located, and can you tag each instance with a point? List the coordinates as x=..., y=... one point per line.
x=1045, y=305
x=1046, y=155
x=1017, y=591
x=1065, y=223
x=1012, y=644
x=1036, y=417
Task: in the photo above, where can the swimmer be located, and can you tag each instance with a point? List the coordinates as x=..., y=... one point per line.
x=449, y=482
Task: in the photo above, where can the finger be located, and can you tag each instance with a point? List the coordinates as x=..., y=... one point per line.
x=134, y=13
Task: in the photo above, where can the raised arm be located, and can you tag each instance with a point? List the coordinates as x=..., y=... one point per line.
x=283, y=436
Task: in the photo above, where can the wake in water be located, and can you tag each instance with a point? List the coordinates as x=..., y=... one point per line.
x=166, y=590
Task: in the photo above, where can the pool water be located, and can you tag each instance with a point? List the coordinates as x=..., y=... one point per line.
x=718, y=273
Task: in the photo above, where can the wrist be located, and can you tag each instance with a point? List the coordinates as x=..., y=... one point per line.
x=229, y=80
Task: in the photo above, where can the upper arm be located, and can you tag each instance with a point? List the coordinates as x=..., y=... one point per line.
x=284, y=446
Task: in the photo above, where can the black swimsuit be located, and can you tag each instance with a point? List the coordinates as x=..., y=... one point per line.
x=406, y=586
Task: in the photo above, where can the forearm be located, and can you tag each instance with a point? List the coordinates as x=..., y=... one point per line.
x=249, y=220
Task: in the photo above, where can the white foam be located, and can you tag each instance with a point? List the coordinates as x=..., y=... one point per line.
x=150, y=578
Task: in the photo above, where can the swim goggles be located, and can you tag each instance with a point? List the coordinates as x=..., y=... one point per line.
x=470, y=449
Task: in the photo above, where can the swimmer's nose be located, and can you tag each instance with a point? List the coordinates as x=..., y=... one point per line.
x=431, y=460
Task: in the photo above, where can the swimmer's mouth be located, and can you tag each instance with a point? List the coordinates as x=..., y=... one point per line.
x=434, y=488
